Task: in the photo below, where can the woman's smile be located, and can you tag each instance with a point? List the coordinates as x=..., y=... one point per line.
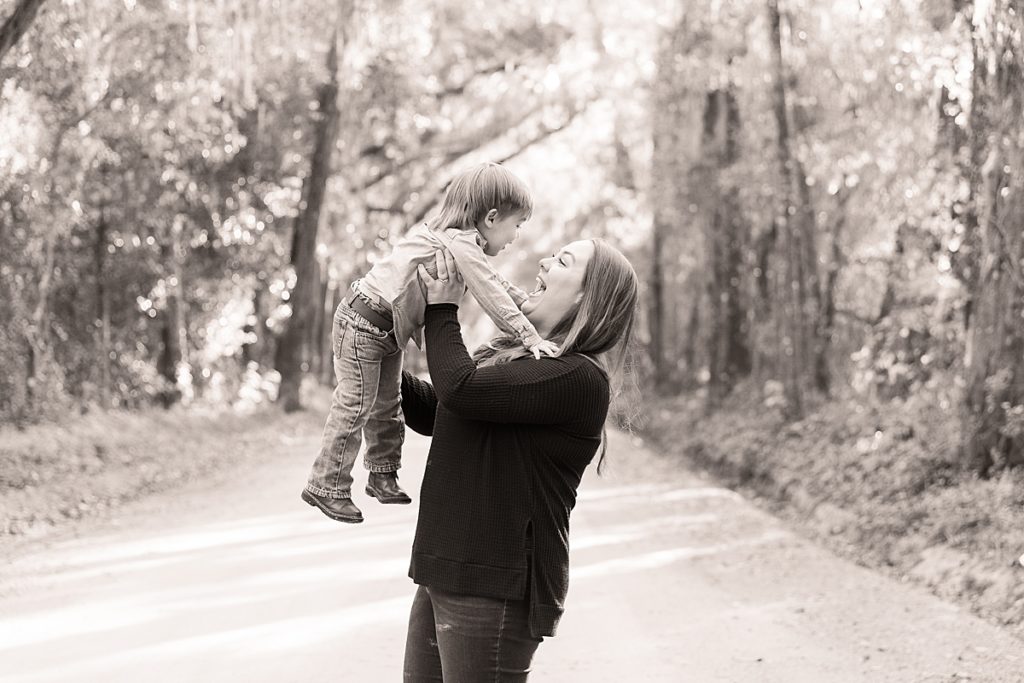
x=540, y=288
x=558, y=284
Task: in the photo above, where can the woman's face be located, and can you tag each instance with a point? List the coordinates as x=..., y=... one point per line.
x=559, y=285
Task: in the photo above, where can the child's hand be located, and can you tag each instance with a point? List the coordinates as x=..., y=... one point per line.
x=545, y=347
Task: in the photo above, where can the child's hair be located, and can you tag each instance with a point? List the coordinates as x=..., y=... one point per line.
x=600, y=325
x=477, y=190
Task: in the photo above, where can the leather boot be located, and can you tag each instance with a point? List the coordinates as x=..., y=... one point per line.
x=384, y=487
x=338, y=509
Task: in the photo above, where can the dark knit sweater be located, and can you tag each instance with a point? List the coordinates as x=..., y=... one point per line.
x=510, y=444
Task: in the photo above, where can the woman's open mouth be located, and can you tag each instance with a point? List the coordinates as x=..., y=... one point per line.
x=540, y=289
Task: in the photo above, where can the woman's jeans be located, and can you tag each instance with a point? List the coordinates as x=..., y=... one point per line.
x=466, y=639
x=367, y=401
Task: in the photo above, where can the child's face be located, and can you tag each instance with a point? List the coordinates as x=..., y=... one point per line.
x=501, y=231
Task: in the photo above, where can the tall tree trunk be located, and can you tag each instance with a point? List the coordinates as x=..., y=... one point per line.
x=663, y=219
x=290, y=349
x=993, y=409
x=797, y=283
x=656, y=312
x=171, y=355
x=102, y=309
x=17, y=24
x=671, y=280
x=726, y=235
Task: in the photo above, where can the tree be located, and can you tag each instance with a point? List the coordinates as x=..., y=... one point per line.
x=993, y=410
x=671, y=280
x=17, y=24
x=797, y=284
x=726, y=233
x=292, y=343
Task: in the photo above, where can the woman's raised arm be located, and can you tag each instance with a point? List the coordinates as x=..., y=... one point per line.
x=528, y=391
x=419, y=404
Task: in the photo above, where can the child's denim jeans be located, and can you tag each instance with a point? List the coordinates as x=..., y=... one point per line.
x=366, y=402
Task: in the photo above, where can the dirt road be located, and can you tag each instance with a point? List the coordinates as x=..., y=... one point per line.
x=673, y=580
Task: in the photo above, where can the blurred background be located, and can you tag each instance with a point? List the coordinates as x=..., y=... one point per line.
x=824, y=202
x=821, y=196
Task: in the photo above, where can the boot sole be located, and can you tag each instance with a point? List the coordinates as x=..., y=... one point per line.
x=333, y=515
x=405, y=500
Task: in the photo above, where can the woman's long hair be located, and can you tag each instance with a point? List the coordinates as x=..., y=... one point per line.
x=599, y=325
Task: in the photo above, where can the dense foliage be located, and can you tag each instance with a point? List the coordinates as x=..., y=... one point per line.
x=824, y=197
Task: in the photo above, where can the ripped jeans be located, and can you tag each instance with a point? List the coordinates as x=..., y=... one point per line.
x=466, y=639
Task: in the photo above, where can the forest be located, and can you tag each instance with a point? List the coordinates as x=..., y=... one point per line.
x=824, y=200
x=820, y=198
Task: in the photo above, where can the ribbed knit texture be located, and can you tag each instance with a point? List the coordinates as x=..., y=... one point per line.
x=510, y=444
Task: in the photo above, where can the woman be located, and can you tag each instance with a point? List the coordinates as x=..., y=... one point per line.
x=512, y=436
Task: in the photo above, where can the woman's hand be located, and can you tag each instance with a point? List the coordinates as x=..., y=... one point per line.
x=447, y=287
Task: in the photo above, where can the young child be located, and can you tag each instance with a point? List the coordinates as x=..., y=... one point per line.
x=480, y=215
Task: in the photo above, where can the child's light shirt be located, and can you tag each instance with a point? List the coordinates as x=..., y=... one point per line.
x=395, y=279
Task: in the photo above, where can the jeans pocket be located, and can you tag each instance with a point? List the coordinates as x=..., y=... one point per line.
x=373, y=346
x=339, y=330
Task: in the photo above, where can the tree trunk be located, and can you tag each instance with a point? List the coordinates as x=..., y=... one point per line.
x=993, y=410
x=797, y=283
x=102, y=310
x=17, y=24
x=316, y=330
x=688, y=352
x=332, y=300
x=42, y=376
x=726, y=235
x=290, y=349
x=822, y=372
x=172, y=354
x=671, y=266
x=656, y=312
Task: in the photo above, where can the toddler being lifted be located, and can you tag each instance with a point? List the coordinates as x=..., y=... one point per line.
x=482, y=212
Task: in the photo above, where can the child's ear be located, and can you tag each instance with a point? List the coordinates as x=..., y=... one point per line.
x=491, y=216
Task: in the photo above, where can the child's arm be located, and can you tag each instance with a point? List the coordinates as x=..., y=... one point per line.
x=492, y=293
x=519, y=296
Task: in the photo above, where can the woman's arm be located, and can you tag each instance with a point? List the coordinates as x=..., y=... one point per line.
x=548, y=391
x=419, y=404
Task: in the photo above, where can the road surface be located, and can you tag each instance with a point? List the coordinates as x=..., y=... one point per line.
x=673, y=580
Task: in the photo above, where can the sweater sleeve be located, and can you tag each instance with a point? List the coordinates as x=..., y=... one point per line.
x=419, y=404
x=526, y=391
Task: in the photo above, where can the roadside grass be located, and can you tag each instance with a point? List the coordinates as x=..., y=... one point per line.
x=877, y=482
x=52, y=473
